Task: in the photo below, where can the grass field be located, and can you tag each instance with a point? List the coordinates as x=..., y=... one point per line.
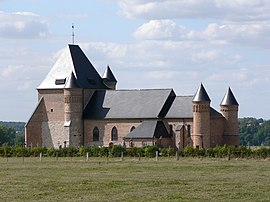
x=189, y=179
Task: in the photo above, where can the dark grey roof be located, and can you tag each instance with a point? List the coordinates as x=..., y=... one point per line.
x=214, y=113
x=108, y=75
x=73, y=60
x=229, y=98
x=181, y=108
x=71, y=82
x=122, y=104
x=201, y=95
x=149, y=129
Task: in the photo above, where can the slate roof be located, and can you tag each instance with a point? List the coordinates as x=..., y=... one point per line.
x=71, y=82
x=108, y=75
x=229, y=98
x=129, y=104
x=149, y=129
x=73, y=60
x=214, y=113
x=201, y=95
x=181, y=108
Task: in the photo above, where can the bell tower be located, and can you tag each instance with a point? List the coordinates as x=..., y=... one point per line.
x=201, y=119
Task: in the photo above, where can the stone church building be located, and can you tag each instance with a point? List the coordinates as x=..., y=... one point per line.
x=78, y=107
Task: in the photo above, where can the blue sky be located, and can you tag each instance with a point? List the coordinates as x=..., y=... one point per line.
x=148, y=44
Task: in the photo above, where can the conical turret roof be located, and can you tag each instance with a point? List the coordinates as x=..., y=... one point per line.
x=71, y=82
x=229, y=98
x=108, y=75
x=201, y=95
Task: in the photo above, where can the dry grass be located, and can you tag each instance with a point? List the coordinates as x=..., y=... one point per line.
x=189, y=179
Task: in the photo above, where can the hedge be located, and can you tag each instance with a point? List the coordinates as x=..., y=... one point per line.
x=148, y=151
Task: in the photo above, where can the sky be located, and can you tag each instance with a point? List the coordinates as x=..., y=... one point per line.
x=148, y=44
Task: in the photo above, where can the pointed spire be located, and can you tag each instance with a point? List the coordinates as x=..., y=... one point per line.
x=229, y=98
x=201, y=95
x=108, y=75
x=71, y=82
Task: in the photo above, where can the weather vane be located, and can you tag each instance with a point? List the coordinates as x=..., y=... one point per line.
x=73, y=34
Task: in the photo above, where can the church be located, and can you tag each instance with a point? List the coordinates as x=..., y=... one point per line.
x=77, y=107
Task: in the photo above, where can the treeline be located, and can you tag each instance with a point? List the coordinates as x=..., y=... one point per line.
x=254, y=131
x=148, y=151
x=10, y=137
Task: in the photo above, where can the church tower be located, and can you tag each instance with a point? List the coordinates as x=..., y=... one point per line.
x=73, y=106
x=201, y=118
x=229, y=109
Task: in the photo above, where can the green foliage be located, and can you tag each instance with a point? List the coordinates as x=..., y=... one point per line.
x=254, y=131
x=117, y=150
x=134, y=152
x=10, y=137
x=167, y=151
x=150, y=151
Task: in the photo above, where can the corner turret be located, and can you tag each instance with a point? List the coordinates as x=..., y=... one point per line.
x=108, y=79
x=73, y=106
x=201, y=118
x=229, y=109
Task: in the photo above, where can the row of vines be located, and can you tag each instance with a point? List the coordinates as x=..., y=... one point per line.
x=148, y=151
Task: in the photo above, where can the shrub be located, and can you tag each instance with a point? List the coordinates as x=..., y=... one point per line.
x=150, y=151
x=117, y=150
x=134, y=151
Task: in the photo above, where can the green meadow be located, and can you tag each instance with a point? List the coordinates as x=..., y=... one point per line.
x=134, y=179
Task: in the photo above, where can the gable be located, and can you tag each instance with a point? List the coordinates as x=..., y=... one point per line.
x=149, y=129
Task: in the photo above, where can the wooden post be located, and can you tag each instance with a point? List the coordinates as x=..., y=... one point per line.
x=139, y=156
x=56, y=156
x=40, y=156
x=156, y=155
x=177, y=156
x=122, y=156
x=87, y=156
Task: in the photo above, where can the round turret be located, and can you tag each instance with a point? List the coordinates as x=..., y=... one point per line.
x=201, y=119
x=73, y=112
x=229, y=109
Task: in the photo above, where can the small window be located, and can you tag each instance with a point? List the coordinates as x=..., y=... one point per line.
x=132, y=128
x=60, y=81
x=51, y=110
x=171, y=129
x=188, y=130
x=114, y=134
x=96, y=134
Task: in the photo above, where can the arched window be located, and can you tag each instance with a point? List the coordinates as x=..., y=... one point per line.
x=114, y=134
x=96, y=134
x=132, y=128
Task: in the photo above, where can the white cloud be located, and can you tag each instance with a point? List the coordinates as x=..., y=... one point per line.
x=10, y=71
x=21, y=25
x=160, y=29
x=196, y=9
x=252, y=34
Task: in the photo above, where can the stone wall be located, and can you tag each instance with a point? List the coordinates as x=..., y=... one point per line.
x=53, y=131
x=201, y=127
x=105, y=127
x=217, y=128
x=33, y=128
